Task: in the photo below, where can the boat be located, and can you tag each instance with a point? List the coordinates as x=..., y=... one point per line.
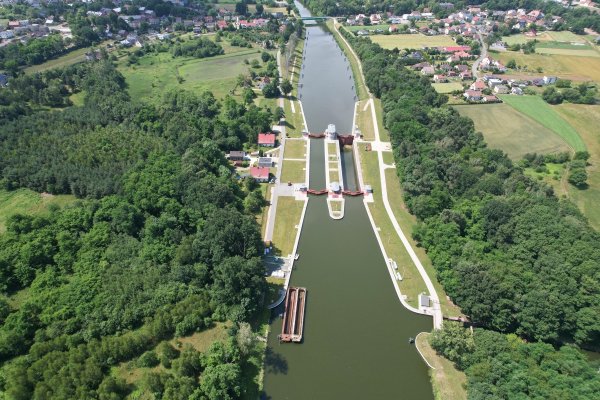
x=297, y=256
x=411, y=340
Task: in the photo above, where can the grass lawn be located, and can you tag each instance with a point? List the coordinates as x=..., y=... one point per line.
x=447, y=381
x=448, y=87
x=412, y=41
x=388, y=157
x=565, y=36
x=332, y=150
x=295, y=149
x=77, y=98
x=25, y=201
x=567, y=67
x=359, y=83
x=287, y=217
x=586, y=119
x=364, y=120
x=542, y=112
x=293, y=171
x=158, y=72
x=293, y=121
x=552, y=44
x=505, y=128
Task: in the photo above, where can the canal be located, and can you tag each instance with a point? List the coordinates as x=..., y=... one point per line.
x=356, y=331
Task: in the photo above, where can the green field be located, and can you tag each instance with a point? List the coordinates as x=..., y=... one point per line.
x=370, y=28
x=295, y=149
x=565, y=36
x=293, y=171
x=25, y=201
x=70, y=58
x=577, y=51
x=158, y=72
x=411, y=41
x=542, y=112
x=448, y=87
x=287, y=217
x=552, y=44
x=586, y=119
x=522, y=39
x=516, y=134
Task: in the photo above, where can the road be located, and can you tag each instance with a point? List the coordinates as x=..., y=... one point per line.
x=484, y=53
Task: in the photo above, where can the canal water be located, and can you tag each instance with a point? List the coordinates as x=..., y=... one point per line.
x=356, y=331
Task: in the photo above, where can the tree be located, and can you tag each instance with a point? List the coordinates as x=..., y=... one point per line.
x=241, y=8
x=248, y=95
x=271, y=90
x=286, y=87
x=453, y=342
x=265, y=56
x=552, y=96
x=259, y=9
x=512, y=64
x=578, y=177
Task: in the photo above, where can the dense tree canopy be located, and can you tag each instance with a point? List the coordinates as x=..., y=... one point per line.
x=162, y=246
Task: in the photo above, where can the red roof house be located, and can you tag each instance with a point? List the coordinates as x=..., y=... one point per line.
x=260, y=174
x=266, y=139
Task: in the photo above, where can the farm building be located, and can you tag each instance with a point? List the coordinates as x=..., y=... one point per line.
x=260, y=174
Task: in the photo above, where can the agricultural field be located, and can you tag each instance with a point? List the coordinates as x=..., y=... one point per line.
x=504, y=128
x=522, y=39
x=586, y=119
x=70, y=58
x=564, y=66
x=25, y=201
x=411, y=41
x=542, y=112
x=448, y=87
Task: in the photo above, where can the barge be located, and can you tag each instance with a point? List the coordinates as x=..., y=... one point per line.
x=293, y=318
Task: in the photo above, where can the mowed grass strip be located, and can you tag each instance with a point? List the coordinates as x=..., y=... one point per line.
x=359, y=82
x=505, y=128
x=295, y=148
x=364, y=120
x=542, y=112
x=577, y=52
x=25, y=201
x=287, y=217
x=412, y=41
x=293, y=171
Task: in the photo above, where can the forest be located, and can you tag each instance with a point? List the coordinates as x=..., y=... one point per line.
x=161, y=245
x=515, y=258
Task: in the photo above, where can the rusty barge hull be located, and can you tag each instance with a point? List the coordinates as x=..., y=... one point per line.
x=293, y=319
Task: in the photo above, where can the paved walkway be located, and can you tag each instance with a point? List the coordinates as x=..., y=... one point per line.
x=475, y=68
x=378, y=146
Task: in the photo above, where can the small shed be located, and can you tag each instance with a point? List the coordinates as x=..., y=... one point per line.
x=423, y=300
x=331, y=132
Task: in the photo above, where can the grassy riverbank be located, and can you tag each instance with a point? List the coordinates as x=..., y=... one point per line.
x=448, y=382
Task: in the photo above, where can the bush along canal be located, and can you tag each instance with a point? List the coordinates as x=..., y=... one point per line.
x=355, y=331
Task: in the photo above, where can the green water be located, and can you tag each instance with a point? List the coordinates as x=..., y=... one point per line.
x=356, y=331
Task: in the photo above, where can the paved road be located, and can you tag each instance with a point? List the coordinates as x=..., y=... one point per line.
x=484, y=53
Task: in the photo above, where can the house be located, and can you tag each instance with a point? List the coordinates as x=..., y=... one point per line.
x=516, y=90
x=548, y=80
x=490, y=99
x=393, y=28
x=501, y=89
x=439, y=78
x=265, y=162
x=421, y=65
x=428, y=71
x=478, y=85
x=466, y=75
x=493, y=82
x=237, y=155
x=260, y=174
x=473, y=95
x=266, y=139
